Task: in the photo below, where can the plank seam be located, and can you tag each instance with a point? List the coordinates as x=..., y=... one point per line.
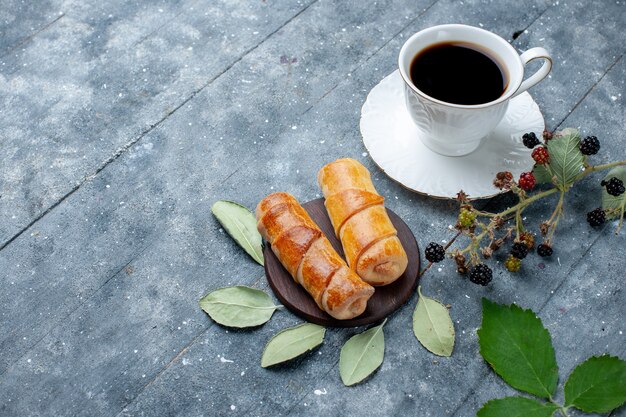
x=28, y=38
x=120, y=151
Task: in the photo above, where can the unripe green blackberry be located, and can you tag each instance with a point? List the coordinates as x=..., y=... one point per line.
x=466, y=218
x=513, y=264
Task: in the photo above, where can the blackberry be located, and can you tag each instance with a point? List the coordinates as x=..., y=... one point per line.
x=596, y=217
x=435, y=252
x=540, y=155
x=530, y=140
x=590, y=145
x=614, y=186
x=526, y=181
x=528, y=239
x=481, y=274
x=513, y=264
x=503, y=180
x=544, y=250
x=519, y=250
x=547, y=135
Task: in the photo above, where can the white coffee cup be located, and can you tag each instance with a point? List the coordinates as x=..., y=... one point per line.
x=455, y=129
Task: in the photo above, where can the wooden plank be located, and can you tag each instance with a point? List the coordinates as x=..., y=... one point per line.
x=99, y=79
x=22, y=20
x=185, y=172
x=395, y=389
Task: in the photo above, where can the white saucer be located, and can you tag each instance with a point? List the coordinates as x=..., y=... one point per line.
x=393, y=142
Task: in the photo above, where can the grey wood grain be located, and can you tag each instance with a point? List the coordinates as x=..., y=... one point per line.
x=91, y=85
x=104, y=286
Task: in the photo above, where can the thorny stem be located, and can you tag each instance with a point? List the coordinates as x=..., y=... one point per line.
x=558, y=210
x=523, y=203
x=601, y=167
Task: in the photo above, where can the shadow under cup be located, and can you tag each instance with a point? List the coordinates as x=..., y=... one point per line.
x=455, y=129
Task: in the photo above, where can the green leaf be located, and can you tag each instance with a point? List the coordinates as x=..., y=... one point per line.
x=516, y=407
x=614, y=205
x=292, y=342
x=517, y=346
x=361, y=355
x=238, y=306
x=566, y=160
x=240, y=224
x=542, y=176
x=432, y=325
x=597, y=385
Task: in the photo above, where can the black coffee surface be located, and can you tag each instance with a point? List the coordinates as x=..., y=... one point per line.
x=458, y=73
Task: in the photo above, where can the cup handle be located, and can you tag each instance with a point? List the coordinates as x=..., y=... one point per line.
x=530, y=55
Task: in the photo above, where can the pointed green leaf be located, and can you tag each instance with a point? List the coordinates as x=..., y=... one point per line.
x=240, y=224
x=517, y=346
x=292, y=342
x=432, y=325
x=238, y=306
x=542, y=176
x=597, y=385
x=612, y=204
x=516, y=407
x=566, y=160
x=361, y=355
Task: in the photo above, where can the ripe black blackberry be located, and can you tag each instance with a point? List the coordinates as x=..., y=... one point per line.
x=590, y=145
x=435, y=252
x=481, y=274
x=530, y=140
x=614, y=186
x=544, y=250
x=596, y=217
x=519, y=250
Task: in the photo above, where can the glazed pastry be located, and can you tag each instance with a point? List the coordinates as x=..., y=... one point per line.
x=360, y=220
x=309, y=257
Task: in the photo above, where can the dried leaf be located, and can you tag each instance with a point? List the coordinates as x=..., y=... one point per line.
x=361, y=355
x=432, y=325
x=238, y=306
x=291, y=343
x=240, y=224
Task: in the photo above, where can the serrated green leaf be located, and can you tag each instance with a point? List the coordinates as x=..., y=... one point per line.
x=516, y=407
x=517, y=346
x=238, y=306
x=566, y=160
x=542, y=176
x=291, y=343
x=361, y=355
x=240, y=224
x=432, y=326
x=597, y=385
x=614, y=205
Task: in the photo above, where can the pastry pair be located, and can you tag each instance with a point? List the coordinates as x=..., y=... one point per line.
x=374, y=253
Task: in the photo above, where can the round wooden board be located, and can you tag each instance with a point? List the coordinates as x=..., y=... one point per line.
x=385, y=300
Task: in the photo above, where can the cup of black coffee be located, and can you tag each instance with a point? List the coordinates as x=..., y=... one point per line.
x=458, y=83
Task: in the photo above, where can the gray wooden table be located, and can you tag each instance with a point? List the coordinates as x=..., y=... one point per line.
x=122, y=122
